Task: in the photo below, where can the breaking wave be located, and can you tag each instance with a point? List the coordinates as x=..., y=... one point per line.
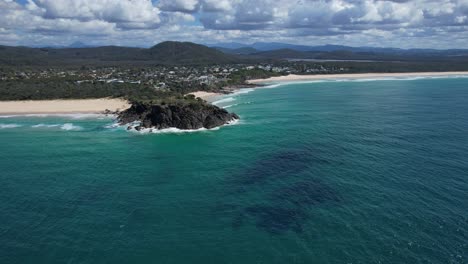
x=3, y=126
x=173, y=130
x=70, y=116
x=370, y=79
x=243, y=91
x=224, y=100
x=70, y=126
x=45, y=125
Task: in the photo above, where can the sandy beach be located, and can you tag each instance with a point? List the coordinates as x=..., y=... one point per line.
x=207, y=96
x=62, y=106
x=294, y=77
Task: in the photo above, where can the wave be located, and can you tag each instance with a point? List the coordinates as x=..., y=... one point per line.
x=232, y=97
x=243, y=91
x=70, y=126
x=228, y=106
x=3, y=126
x=71, y=116
x=66, y=126
x=174, y=130
x=45, y=125
x=384, y=78
x=224, y=100
x=113, y=125
x=273, y=85
x=232, y=105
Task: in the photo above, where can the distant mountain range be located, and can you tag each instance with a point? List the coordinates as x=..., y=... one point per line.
x=79, y=44
x=269, y=46
x=275, y=50
x=187, y=53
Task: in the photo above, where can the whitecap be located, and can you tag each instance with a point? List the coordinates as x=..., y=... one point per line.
x=2, y=126
x=113, y=125
x=89, y=116
x=274, y=85
x=243, y=91
x=224, y=100
x=228, y=106
x=373, y=79
x=174, y=130
x=45, y=125
x=71, y=116
x=70, y=126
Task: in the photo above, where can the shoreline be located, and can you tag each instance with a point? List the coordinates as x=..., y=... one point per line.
x=210, y=97
x=63, y=106
x=352, y=76
x=101, y=105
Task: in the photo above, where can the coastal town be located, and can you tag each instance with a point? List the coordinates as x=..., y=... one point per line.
x=167, y=78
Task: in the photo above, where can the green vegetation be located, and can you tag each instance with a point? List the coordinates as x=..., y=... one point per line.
x=169, y=70
x=47, y=89
x=186, y=53
x=241, y=76
x=165, y=53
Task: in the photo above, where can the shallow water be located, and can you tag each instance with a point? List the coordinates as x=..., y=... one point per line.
x=322, y=172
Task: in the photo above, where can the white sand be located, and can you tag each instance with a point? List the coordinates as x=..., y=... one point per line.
x=207, y=96
x=293, y=77
x=62, y=106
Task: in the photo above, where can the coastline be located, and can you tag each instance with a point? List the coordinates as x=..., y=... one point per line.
x=99, y=106
x=207, y=96
x=63, y=106
x=352, y=76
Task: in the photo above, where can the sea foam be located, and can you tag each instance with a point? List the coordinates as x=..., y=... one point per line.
x=70, y=116
x=174, y=130
x=224, y=100
x=232, y=97
x=373, y=79
x=3, y=126
x=243, y=91
x=45, y=125
x=70, y=126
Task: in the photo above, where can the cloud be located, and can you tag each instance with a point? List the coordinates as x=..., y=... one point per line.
x=186, y=6
x=363, y=22
x=125, y=13
x=216, y=5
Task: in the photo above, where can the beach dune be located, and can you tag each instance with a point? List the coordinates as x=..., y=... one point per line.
x=63, y=106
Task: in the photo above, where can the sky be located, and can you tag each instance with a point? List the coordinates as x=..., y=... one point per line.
x=440, y=24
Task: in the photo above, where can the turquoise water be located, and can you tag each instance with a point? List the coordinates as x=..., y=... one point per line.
x=324, y=172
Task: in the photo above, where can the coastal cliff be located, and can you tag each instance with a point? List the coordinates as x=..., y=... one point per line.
x=192, y=115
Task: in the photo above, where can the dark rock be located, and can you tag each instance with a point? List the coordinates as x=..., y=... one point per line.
x=187, y=115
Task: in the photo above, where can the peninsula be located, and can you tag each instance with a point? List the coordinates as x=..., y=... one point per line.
x=172, y=83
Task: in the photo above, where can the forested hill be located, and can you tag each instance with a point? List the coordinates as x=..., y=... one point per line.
x=171, y=52
x=165, y=53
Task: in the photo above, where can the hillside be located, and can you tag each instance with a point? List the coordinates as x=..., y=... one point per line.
x=165, y=53
x=407, y=56
x=171, y=52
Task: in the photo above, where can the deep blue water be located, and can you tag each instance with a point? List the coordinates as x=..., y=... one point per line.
x=320, y=172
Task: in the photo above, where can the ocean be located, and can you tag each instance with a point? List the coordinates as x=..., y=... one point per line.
x=368, y=171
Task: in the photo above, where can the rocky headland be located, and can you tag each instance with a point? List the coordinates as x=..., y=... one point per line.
x=181, y=115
